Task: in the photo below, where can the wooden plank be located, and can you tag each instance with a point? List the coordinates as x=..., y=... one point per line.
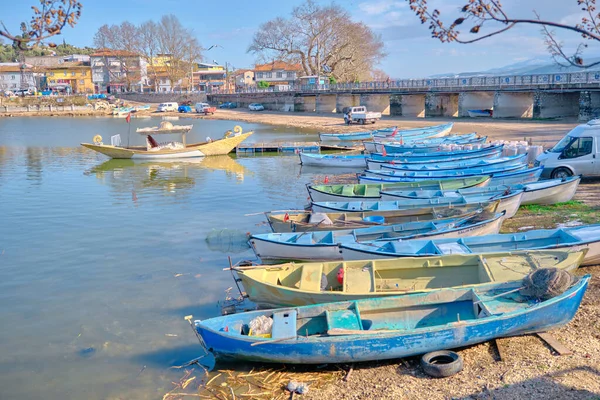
x=502, y=349
x=555, y=344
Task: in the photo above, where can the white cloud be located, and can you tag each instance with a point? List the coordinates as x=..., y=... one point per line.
x=572, y=19
x=379, y=7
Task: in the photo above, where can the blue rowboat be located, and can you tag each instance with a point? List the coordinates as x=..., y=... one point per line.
x=333, y=160
x=457, y=165
x=549, y=191
x=421, y=146
x=445, y=161
x=351, y=136
x=435, y=131
x=509, y=203
x=508, y=178
x=323, y=245
x=567, y=239
x=491, y=170
x=438, y=155
x=389, y=327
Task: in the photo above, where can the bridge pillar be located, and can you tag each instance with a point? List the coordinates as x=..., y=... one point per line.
x=553, y=105
x=376, y=103
x=409, y=105
x=513, y=105
x=305, y=103
x=346, y=100
x=474, y=101
x=589, y=105
x=441, y=105
x=326, y=103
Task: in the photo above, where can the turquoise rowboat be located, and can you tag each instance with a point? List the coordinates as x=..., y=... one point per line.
x=372, y=192
x=550, y=191
x=438, y=155
x=456, y=165
x=323, y=245
x=423, y=146
x=508, y=178
x=389, y=327
x=509, y=203
x=432, y=173
x=567, y=239
x=437, y=130
x=333, y=160
x=350, y=136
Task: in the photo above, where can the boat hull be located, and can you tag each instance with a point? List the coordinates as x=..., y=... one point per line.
x=352, y=136
x=399, y=343
x=217, y=147
x=559, y=193
x=336, y=161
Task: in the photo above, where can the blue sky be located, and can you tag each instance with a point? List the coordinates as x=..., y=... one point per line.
x=411, y=52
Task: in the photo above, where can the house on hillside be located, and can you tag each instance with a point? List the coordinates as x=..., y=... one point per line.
x=277, y=73
x=244, y=78
x=209, y=78
x=116, y=71
x=15, y=76
x=70, y=76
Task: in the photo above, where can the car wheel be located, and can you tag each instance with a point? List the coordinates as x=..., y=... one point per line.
x=441, y=364
x=561, y=173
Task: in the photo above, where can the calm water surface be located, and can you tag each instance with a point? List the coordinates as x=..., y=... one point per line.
x=100, y=260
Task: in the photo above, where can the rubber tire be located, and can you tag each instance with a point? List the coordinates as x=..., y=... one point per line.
x=442, y=370
x=560, y=170
x=362, y=121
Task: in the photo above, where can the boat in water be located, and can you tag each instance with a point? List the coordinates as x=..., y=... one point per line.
x=391, y=327
x=373, y=191
x=168, y=150
x=585, y=237
x=323, y=245
x=333, y=160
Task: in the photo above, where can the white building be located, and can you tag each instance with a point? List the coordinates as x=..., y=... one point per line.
x=277, y=73
x=117, y=71
x=14, y=77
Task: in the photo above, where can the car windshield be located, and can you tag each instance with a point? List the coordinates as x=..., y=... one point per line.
x=564, y=143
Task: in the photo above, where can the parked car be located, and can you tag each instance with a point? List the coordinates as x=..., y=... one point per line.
x=164, y=107
x=228, y=105
x=360, y=115
x=205, y=108
x=184, y=108
x=578, y=153
x=256, y=107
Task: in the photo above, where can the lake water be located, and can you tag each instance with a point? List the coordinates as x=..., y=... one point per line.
x=101, y=260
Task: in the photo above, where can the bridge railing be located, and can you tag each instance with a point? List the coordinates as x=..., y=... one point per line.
x=503, y=81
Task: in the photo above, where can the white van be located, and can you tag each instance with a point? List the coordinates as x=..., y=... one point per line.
x=578, y=153
x=163, y=107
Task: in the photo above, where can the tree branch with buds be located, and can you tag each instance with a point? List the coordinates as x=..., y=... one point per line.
x=477, y=14
x=48, y=20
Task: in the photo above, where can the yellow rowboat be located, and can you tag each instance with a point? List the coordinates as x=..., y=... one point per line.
x=170, y=150
x=307, y=221
x=314, y=283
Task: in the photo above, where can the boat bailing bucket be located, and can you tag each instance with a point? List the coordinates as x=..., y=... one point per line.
x=375, y=219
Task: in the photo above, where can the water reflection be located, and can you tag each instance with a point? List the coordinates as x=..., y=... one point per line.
x=173, y=176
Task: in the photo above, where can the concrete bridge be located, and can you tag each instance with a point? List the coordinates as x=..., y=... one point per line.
x=521, y=96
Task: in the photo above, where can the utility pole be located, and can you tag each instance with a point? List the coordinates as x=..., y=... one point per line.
x=318, y=65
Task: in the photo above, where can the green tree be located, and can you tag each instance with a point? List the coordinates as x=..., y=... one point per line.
x=262, y=85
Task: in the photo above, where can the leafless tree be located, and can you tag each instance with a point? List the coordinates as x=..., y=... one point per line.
x=121, y=43
x=478, y=15
x=48, y=20
x=181, y=47
x=322, y=39
x=149, y=46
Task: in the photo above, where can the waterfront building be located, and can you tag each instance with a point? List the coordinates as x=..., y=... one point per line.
x=277, y=73
x=117, y=71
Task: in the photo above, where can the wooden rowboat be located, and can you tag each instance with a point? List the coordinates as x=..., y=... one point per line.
x=372, y=192
x=390, y=327
x=307, y=221
x=296, y=284
x=170, y=150
x=586, y=237
x=333, y=160
x=323, y=245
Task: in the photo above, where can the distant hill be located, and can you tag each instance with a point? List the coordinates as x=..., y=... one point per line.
x=532, y=66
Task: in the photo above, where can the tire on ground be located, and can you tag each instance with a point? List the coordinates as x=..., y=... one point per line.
x=441, y=364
